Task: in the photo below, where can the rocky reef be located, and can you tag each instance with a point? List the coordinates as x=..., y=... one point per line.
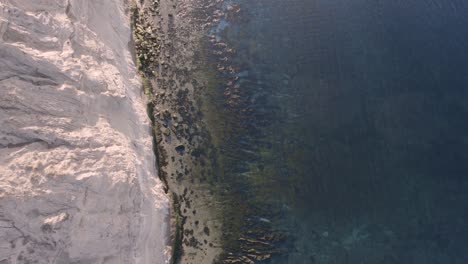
x=78, y=181
x=194, y=125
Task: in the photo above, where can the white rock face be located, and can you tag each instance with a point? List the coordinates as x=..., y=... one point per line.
x=78, y=182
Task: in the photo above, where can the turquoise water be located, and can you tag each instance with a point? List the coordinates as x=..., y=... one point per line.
x=345, y=128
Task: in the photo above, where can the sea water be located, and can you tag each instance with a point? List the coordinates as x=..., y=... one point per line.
x=345, y=128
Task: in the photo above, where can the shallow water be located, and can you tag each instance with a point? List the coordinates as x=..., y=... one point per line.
x=340, y=126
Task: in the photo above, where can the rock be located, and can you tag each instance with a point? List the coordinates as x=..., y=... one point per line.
x=78, y=182
x=180, y=149
x=206, y=230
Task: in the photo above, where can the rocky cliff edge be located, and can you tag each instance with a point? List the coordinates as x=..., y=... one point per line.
x=78, y=182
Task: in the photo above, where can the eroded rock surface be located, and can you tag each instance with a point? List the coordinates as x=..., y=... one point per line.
x=78, y=182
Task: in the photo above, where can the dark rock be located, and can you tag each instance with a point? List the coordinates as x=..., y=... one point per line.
x=206, y=230
x=180, y=149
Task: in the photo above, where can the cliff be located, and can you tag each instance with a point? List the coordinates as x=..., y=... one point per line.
x=78, y=182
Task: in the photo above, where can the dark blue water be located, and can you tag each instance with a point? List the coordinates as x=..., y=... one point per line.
x=347, y=127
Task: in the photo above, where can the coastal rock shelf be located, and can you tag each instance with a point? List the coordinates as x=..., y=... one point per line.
x=184, y=62
x=78, y=181
x=166, y=40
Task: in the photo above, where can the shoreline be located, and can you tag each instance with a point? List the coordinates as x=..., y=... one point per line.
x=195, y=233
x=211, y=224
